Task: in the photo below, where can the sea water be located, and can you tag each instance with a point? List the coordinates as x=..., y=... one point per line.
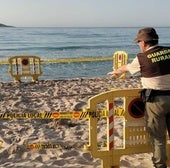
x=70, y=42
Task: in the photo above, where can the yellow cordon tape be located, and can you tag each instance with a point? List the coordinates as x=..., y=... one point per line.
x=53, y=145
x=68, y=60
x=60, y=115
x=55, y=115
x=4, y=62
x=47, y=145
x=59, y=145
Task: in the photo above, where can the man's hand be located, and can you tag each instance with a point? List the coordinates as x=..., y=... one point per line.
x=114, y=74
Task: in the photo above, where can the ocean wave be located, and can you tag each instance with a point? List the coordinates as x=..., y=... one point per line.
x=57, y=48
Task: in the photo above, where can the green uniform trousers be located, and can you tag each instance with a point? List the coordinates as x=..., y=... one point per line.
x=157, y=117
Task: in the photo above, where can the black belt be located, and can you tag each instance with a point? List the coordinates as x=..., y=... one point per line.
x=161, y=92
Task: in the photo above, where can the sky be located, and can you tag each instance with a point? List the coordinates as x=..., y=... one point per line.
x=85, y=13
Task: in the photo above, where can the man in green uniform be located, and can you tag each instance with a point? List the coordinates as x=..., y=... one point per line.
x=153, y=62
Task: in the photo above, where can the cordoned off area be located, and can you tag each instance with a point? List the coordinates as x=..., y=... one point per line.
x=68, y=60
x=30, y=66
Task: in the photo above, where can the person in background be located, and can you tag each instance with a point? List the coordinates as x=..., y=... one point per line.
x=153, y=63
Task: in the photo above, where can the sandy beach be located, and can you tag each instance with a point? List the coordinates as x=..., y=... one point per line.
x=66, y=137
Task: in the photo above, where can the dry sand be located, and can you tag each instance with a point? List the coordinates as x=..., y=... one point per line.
x=69, y=136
